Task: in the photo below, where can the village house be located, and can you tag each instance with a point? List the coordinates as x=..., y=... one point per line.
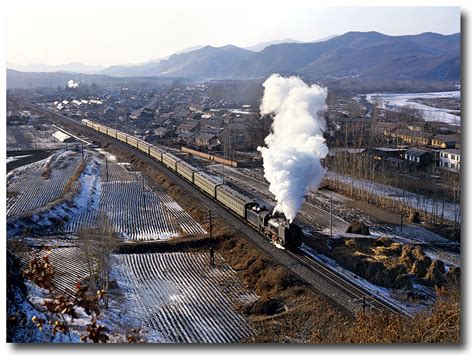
x=416, y=138
x=210, y=141
x=418, y=156
x=189, y=127
x=444, y=141
x=186, y=137
x=449, y=159
x=385, y=128
x=381, y=153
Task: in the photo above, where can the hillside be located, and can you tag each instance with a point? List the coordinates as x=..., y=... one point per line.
x=364, y=55
x=354, y=54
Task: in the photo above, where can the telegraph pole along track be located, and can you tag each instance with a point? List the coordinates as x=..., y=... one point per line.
x=326, y=281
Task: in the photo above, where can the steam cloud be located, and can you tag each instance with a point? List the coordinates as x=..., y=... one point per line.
x=296, y=145
x=72, y=84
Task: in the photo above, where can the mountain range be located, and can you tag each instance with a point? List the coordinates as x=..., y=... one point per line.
x=372, y=55
x=73, y=67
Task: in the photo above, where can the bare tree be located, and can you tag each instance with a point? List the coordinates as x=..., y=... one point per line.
x=98, y=244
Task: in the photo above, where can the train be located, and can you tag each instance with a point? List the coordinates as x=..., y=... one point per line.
x=275, y=226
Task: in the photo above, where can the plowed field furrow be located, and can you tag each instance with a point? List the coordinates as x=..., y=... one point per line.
x=179, y=296
x=35, y=191
x=68, y=265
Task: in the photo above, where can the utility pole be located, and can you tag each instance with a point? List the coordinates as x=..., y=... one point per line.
x=82, y=151
x=330, y=219
x=106, y=167
x=211, y=247
x=210, y=224
x=401, y=220
x=143, y=190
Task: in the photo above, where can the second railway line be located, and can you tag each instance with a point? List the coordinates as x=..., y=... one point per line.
x=343, y=292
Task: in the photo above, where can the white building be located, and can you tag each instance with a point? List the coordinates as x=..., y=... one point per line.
x=62, y=137
x=450, y=159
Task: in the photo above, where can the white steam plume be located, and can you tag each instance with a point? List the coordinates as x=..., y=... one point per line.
x=295, y=147
x=72, y=84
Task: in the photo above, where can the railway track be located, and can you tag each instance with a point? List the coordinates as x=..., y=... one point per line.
x=335, y=287
x=363, y=297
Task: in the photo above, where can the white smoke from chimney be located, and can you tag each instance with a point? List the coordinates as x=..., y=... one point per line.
x=295, y=147
x=72, y=84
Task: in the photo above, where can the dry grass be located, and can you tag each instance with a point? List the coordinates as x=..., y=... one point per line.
x=308, y=316
x=441, y=324
x=74, y=178
x=303, y=312
x=46, y=174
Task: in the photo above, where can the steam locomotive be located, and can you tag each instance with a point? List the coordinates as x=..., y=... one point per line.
x=275, y=226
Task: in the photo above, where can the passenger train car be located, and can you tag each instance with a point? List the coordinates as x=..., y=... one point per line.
x=274, y=226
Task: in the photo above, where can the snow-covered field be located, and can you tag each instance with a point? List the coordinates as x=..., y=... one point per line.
x=439, y=208
x=134, y=209
x=111, y=189
x=179, y=297
x=69, y=266
x=32, y=190
x=27, y=137
x=169, y=297
x=399, y=101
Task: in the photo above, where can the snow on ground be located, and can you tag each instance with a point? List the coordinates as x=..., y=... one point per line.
x=135, y=210
x=451, y=212
x=179, y=297
x=69, y=268
x=15, y=158
x=33, y=191
x=399, y=101
x=384, y=293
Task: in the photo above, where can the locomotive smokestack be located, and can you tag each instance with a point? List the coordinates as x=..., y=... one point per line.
x=295, y=147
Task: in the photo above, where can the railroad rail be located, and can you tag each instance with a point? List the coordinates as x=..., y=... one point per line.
x=335, y=287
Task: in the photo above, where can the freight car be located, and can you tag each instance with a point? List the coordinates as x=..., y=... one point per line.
x=275, y=226
x=103, y=129
x=112, y=132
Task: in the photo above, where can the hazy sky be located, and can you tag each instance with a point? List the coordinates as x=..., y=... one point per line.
x=95, y=33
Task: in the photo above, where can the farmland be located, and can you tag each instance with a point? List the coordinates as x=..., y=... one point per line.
x=171, y=297
x=136, y=211
x=32, y=137
x=179, y=297
x=40, y=183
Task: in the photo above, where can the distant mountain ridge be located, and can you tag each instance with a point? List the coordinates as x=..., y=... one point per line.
x=74, y=67
x=354, y=54
x=260, y=46
x=372, y=55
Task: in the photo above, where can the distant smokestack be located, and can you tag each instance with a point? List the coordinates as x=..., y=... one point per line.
x=295, y=147
x=72, y=84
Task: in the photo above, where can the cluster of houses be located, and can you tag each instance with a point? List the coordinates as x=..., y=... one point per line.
x=417, y=148
x=207, y=131
x=181, y=115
